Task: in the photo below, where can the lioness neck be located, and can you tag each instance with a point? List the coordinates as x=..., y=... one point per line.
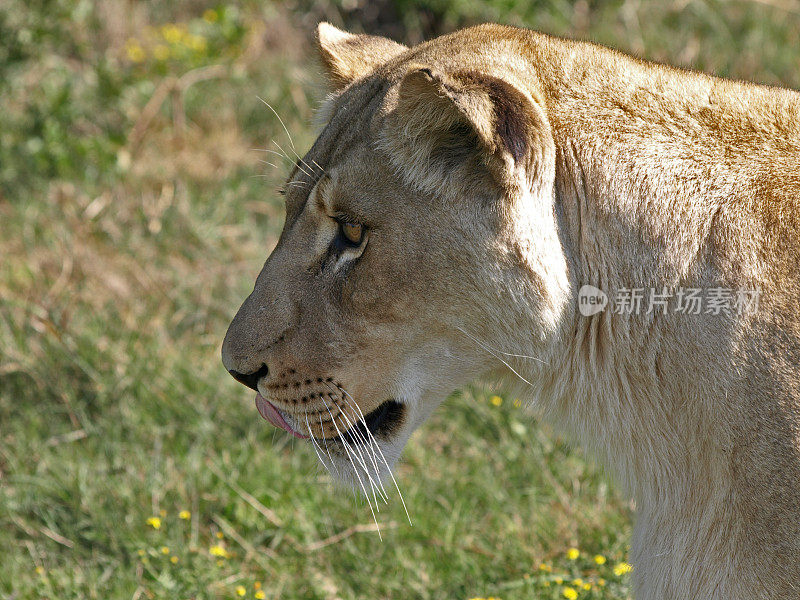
x=678, y=179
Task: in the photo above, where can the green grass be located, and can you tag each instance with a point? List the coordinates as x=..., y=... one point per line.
x=129, y=237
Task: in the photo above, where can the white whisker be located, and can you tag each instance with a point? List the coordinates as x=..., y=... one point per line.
x=314, y=445
x=378, y=448
x=300, y=159
x=367, y=442
x=371, y=444
x=300, y=162
x=325, y=440
x=490, y=351
x=275, y=153
x=355, y=469
x=355, y=433
x=360, y=457
x=269, y=106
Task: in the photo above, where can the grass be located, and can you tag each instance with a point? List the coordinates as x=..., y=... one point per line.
x=134, y=217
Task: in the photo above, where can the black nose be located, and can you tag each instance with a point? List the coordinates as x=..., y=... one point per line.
x=250, y=379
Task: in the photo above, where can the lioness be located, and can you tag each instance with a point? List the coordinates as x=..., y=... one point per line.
x=460, y=196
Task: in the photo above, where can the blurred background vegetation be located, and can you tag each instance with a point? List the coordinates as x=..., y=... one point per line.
x=135, y=212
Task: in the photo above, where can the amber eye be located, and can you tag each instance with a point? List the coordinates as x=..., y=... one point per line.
x=352, y=232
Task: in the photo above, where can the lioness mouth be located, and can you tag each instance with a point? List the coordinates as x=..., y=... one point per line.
x=382, y=420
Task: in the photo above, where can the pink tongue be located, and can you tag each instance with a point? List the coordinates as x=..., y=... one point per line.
x=271, y=414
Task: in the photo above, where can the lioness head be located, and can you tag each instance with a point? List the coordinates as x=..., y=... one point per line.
x=420, y=245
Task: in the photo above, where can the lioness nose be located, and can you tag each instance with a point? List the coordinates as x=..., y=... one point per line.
x=250, y=379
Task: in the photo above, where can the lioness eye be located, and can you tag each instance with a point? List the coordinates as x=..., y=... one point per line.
x=352, y=232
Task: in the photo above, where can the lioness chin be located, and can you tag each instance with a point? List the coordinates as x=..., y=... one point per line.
x=463, y=192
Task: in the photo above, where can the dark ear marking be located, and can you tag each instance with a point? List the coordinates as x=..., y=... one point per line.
x=509, y=111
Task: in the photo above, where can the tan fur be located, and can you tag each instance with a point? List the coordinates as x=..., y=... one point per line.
x=497, y=171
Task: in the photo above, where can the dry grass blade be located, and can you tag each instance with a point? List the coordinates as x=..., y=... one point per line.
x=251, y=550
x=336, y=538
x=249, y=498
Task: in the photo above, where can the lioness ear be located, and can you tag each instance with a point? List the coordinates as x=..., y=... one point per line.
x=348, y=56
x=510, y=125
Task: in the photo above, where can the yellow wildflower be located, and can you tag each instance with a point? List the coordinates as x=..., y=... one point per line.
x=601, y=582
x=154, y=522
x=210, y=16
x=570, y=593
x=173, y=560
x=196, y=42
x=257, y=585
x=172, y=33
x=185, y=515
x=546, y=568
x=559, y=580
x=496, y=400
x=140, y=552
x=577, y=582
x=517, y=402
x=599, y=559
x=573, y=553
x=622, y=568
x=161, y=52
x=259, y=595
x=240, y=590
x=40, y=570
x=164, y=550
x=587, y=586
x=134, y=51
x=219, y=551
x=219, y=535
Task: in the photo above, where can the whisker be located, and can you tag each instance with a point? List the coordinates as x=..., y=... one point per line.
x=355, y=470
x=508, y=353
x=305, y=163
x=367, y=443
x=275, y=153
x=269, y=106
x=266, y=162
x=299, y=162
x=324, y=439
x=314, y=445
x=490, y=351
x=355, y=433
x=289, y=136
x=360, y=457
x=378, y=448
